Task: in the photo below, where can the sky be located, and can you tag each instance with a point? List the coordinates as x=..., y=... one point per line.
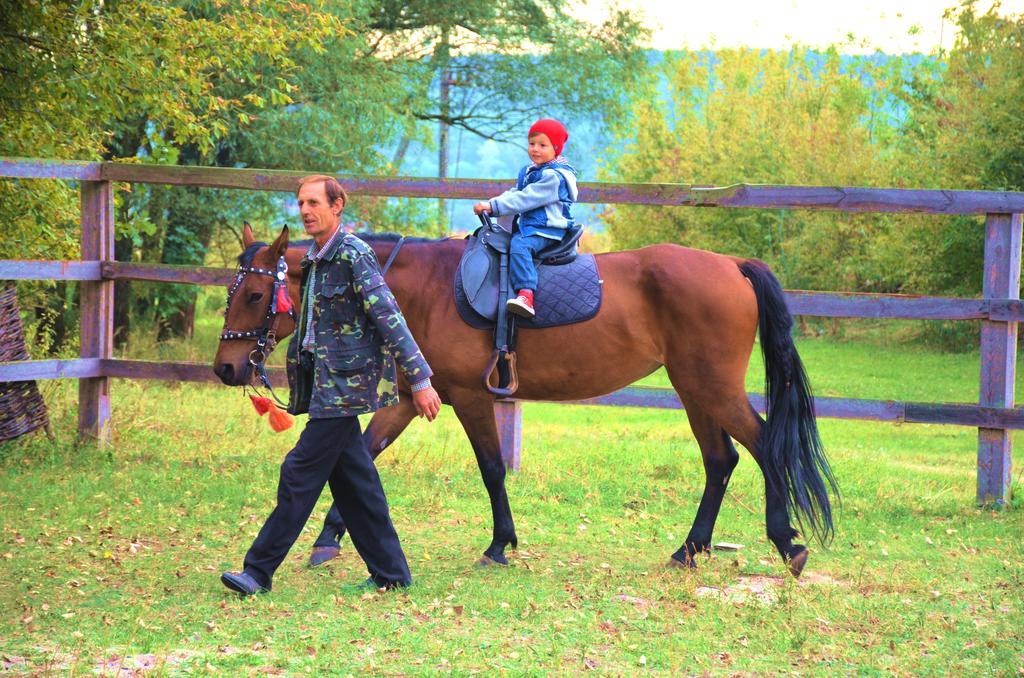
x=892, y=26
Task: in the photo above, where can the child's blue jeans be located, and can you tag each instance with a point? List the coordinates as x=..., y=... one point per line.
x=522, y=272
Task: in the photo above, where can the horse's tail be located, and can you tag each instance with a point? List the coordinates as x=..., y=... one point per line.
x=793, y=457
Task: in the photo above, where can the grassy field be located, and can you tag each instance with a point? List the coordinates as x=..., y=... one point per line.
x=110, y=559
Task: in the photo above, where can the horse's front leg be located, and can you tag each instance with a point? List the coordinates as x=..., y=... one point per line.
x=475, y=410
x=384, y=427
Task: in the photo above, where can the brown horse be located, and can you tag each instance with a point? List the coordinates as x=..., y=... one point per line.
x=694, y=312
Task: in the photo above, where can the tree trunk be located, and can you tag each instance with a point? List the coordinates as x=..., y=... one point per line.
x=123, y=250
x=189, y=229
x=124, y=144
x=187, y=235
x=51, y=318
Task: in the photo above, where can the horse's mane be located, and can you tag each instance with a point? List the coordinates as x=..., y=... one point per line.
x=369, y=237
x=245, y=258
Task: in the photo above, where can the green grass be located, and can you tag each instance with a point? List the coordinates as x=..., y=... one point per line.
x=112, y=557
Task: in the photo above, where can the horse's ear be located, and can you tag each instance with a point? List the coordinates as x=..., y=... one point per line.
x=247, y=237
x=281, y=244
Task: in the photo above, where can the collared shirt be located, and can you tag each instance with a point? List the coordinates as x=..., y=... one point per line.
x=314, y=254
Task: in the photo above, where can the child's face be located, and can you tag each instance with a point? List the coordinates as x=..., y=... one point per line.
x=540, y=149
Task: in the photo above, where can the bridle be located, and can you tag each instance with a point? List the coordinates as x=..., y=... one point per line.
x=266, y=333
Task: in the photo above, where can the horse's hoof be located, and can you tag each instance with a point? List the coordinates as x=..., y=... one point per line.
x=795, y=564
x=680, y=565
x=321, y=554
x=487, y=561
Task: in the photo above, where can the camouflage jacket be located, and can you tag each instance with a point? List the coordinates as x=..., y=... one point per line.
x=359, y=335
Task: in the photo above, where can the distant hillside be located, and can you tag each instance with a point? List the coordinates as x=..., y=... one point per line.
x=473, y=157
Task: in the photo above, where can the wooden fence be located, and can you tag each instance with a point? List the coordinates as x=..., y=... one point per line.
x=999, y=310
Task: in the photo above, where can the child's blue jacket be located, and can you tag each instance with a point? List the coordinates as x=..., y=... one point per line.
x=542, y=198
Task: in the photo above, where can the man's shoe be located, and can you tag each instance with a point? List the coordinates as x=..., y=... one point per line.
x=321, y=554
x=522, y=305
x=243, y=583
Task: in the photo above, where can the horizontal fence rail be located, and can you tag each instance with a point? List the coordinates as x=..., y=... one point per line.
x=998, y=311
x=197, y=275
x=895, y=411
x=801, y=302
x=30, y=370
x=834, y=198
x=50, y=270
x=39, y=168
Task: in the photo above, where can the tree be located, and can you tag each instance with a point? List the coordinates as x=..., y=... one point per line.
x=965, y=129
x=93, y=80
x=749, y=116
x=511, y=59
x=317, y=85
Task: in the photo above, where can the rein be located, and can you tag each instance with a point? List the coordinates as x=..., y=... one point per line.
x=394, y=253
x=280, y=302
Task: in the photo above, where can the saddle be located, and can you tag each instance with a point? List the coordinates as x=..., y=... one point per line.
x=568, y=291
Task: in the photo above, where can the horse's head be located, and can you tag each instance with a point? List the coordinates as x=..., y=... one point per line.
x=253, y=322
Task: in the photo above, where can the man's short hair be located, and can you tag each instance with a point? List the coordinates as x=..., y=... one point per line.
x=331, y=185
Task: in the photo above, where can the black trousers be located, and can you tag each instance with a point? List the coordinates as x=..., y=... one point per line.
x=331, y=451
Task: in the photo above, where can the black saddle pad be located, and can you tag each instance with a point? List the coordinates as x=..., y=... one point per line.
x=566, y=294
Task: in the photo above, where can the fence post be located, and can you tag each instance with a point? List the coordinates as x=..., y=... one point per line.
x=508, y=415
x=96, y=309
x=998, y=354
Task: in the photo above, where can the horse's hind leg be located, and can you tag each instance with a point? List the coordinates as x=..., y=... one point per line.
x=385, y=425
x=475, y=411
x=720, y=458
x=740, y=420
x=729, y=411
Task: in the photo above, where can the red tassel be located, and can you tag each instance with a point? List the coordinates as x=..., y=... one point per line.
x=261, y=404
x=284, y=302
x=279, y=419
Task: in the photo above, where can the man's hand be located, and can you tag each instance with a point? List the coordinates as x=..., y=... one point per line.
x=482, y=207
x=427, y=403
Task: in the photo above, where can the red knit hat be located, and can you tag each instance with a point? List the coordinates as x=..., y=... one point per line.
x=554, y=130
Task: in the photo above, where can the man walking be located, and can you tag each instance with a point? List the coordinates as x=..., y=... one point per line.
x=341, y=363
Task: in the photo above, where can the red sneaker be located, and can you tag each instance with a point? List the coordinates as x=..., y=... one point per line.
x=522, y=305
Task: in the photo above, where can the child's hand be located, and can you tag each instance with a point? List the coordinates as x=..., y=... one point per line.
x=482, y=207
